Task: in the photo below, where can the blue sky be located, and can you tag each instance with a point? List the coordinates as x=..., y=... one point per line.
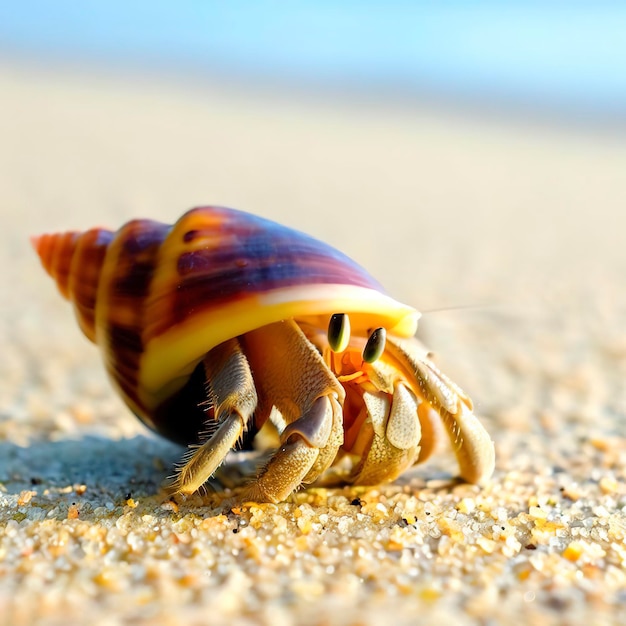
x=563, y=54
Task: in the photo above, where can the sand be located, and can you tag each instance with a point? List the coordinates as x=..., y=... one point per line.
x=520, y=224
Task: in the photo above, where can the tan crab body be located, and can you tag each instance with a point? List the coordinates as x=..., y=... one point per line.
x=214, y=326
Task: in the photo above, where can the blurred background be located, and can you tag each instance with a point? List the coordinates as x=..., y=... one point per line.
x=568, y=58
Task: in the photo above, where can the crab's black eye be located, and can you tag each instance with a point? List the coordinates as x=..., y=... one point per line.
x=339, y=332
x=375, y=345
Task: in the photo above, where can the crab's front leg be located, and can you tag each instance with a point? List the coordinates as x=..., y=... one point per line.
x=389, y=440
x=291, y=375
x=471, y=443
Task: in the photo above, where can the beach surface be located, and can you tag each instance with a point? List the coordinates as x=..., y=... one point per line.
x=507, y=233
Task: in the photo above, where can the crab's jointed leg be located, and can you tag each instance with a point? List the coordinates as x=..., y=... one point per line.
x=471, y=443
x=233, y=396
x=391, y=436
x=291, y=375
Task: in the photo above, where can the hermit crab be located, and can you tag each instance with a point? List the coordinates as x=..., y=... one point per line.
x=225, y=323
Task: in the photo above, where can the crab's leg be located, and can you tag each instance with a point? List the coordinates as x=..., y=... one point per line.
x=471, y=443
x=290, y=373
x=389, y=440
x=233, y=396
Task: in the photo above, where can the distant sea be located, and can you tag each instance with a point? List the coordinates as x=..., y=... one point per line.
x=563, y=56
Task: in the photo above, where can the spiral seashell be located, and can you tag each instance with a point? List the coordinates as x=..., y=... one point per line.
x=157, y=299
